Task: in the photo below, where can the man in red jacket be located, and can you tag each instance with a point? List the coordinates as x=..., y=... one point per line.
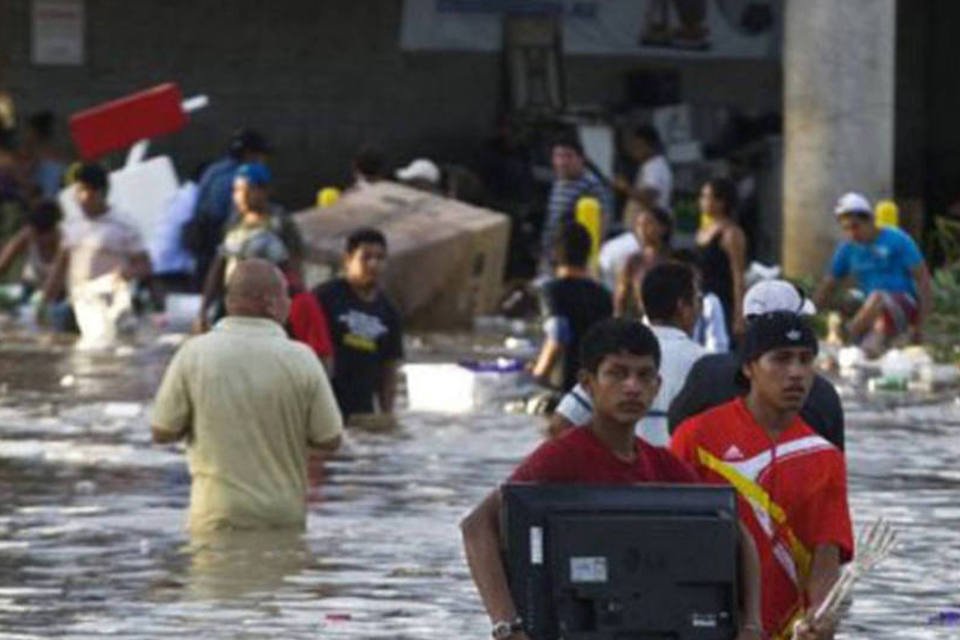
x=791, y=482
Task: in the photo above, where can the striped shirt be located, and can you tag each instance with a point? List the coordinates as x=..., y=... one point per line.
x=561, y=207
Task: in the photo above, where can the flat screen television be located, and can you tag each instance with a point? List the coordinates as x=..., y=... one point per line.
x=634, y=562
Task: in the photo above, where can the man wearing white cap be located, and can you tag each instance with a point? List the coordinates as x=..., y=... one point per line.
x=712, y=380
x=887, y=266
x=422, y=174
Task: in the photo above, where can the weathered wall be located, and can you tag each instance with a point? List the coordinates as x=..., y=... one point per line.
x=318, y=77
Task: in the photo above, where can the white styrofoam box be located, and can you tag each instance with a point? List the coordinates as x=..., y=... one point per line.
x=139, y=193
x=458, y=388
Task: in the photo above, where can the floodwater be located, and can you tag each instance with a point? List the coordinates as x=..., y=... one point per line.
x=92, y=545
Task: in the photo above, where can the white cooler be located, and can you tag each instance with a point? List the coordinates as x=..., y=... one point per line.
x=450, y=387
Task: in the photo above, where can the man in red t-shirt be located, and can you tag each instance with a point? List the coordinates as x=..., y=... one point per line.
x=307, y=322
x=791, y=482
x=619, y=362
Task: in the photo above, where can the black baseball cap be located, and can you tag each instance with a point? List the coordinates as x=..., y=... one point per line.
x=775, y=330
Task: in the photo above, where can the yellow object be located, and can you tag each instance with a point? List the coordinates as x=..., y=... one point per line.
x=327, y=196
x=8, y=113
x=887, y=214
x=70, y=175
x=705, y=220
x=588, y=214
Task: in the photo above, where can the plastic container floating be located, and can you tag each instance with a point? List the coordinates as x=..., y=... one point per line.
x=947, y=618
x=940, y=375
x=103, y=308
x=888, y=383
x=850, y=357
x=897, y=364
x=465, y=386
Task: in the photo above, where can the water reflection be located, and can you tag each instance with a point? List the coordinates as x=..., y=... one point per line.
x=229, y=564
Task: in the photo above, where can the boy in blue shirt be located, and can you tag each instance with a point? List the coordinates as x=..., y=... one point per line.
x=887, y=266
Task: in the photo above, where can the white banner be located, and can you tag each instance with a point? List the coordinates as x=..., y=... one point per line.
x=651, y=28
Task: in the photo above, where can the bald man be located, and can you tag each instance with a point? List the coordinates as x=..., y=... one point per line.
x=249, y=402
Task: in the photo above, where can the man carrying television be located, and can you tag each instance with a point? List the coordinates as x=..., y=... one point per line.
x=619, y=369
x=791, y=482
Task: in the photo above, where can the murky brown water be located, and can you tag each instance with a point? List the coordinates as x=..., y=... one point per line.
x=91, y=543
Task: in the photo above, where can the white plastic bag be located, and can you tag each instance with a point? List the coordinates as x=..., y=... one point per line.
x=102, y=307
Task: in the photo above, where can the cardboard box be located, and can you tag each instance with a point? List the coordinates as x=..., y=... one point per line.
x=446, y=258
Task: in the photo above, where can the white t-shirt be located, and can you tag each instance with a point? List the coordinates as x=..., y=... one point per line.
x=614, y=254
x=655, y=173
x=678, y=353
x=98, y=246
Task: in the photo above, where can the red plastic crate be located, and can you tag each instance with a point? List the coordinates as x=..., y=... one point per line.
x=118, y=124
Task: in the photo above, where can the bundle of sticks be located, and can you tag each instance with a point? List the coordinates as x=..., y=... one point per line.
x=875, y=543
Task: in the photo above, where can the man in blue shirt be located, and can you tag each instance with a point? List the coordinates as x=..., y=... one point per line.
x=887, y=266
x=214, y=198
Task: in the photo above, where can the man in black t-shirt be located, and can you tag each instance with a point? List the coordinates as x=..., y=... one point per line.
x=365, y=327
x=712, y=380
x=572, y=302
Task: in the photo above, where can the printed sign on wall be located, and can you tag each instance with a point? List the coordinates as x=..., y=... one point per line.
x=57, y=32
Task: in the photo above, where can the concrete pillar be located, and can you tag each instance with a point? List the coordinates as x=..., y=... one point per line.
x=838, y=70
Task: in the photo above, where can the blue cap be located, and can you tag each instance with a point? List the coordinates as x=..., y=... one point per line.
x=256, y=173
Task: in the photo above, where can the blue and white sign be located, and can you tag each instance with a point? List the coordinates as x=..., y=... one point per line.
x=651, y=28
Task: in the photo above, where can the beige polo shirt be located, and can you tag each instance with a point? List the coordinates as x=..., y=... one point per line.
x=250, y=401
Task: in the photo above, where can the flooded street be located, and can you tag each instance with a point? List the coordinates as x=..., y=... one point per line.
x=92, y=545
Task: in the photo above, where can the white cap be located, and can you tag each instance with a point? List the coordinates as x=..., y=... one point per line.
x=852, y=203
x=420, y=169
x=776, y=295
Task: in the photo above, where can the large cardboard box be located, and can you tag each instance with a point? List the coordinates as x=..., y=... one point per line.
x=446, y=258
